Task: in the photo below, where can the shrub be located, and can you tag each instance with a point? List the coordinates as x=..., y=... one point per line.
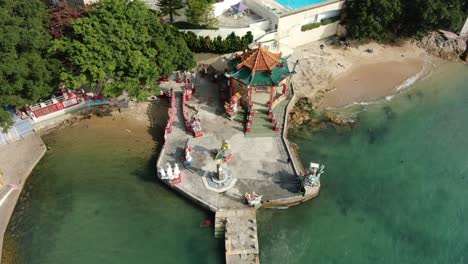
x=217, y=45
x=188, y=25
x=329, y=20
x=310, y=26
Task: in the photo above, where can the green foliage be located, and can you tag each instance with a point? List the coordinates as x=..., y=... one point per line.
x=324, y=22
x=121, y=45
x=27, y=73
x=310, y=26
x=385, y=19
x=170, y=7
x=6, y=120
x=329, y=20
x=200, y=12
x=218, y=45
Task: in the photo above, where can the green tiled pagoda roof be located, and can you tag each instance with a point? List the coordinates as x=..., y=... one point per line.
x=260, y=78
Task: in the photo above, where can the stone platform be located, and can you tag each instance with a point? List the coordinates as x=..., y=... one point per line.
x=259, y=164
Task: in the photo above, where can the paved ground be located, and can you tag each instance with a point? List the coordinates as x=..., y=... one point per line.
x=241, y=239
x=226, y=20
x=17, y=160
x=260, y=163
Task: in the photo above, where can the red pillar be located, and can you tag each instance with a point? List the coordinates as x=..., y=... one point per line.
x=231, y=85
x=285, y=89
x=272, y=96
x=250, y=96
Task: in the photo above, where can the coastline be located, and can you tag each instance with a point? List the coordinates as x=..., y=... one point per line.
x=16, y=170
x=374, y=81
x=137, y=119
x=320, y=72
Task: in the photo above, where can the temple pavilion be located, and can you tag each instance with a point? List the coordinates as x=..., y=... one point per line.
x=260, y=76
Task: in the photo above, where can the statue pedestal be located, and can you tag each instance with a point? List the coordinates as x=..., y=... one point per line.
x=219, y=181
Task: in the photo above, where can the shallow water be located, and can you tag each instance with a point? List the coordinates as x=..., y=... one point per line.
x=94, y=199
x=394, y=189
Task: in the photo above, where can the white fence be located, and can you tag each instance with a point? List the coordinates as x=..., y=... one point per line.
x=297, y=38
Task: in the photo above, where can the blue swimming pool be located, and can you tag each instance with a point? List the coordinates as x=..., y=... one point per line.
x=295, y=4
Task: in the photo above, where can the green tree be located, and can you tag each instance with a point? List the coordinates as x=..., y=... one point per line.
x=200, y=12
x=121, y=45
x=170, y=7
x=384, y=19
x=372, y=19
x=422, y=16
x=27, y=72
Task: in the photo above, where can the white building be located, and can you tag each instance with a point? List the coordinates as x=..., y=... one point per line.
x=284, y=25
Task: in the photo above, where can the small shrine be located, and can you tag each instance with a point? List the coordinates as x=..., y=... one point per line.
x=253, y=199
x=254, y=72
x=311, y=177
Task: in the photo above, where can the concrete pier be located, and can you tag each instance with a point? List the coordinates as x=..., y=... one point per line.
x=264, y=164
x=241, y=240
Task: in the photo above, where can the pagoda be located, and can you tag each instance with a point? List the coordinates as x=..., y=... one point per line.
x=259, y=71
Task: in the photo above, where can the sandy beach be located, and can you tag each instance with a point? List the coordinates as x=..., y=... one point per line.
x=336, y=77
x=370, y=82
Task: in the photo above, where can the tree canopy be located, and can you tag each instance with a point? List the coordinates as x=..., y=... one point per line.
x=27, y=72
x=384, y=19
x=170, y=7
x=200, y=12
x=231, y=43
x=121, y=45
x=61, y=17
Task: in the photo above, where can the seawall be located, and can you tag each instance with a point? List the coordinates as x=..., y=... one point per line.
x=18, y=159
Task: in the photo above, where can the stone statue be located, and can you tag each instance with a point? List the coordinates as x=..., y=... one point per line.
x=162, y=173
x=170, y=174
x=176, y=171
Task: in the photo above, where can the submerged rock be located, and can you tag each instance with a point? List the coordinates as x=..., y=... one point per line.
x=335, y=119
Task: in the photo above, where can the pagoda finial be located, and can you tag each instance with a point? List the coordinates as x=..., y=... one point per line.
x=260, y=45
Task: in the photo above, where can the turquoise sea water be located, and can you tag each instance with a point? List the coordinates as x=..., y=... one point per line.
x=394, y=191
x=395, y=186
x=295, y=4
x=94, y=199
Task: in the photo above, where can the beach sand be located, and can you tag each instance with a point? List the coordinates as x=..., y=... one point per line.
x=335, y=77
x=370, y=82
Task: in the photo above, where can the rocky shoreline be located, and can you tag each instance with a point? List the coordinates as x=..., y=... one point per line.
x=304, y=113
x=446, y=45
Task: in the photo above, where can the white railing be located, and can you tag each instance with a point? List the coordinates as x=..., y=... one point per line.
x=296, y=163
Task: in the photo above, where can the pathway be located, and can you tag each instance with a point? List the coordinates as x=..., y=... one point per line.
x=240, y=231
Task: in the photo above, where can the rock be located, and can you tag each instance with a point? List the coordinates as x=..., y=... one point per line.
x=335, y=119
x=446, y=45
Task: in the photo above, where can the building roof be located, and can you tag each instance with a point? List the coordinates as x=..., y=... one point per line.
x=259, y=59
x=259, y=67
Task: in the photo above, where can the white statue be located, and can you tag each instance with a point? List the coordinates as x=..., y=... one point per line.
x=176, y=171
x=170, y=174
x=162, y=173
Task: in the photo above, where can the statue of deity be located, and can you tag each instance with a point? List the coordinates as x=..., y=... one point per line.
x=162, y=173
x=176, y=171
x=187, y=156
x=169, y=172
